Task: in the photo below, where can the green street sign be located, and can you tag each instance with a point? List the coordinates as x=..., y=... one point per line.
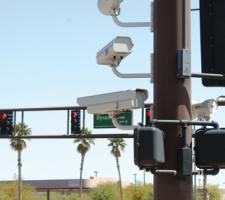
x=105, y=121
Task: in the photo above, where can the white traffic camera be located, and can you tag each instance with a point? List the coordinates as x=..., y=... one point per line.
x=114, y=102
x=115, y=51
x=203, y=110
x=109, y=7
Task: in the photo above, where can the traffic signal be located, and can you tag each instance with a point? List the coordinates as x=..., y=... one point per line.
x=210, y=148
x=75, y=122
x=148, y=115
x=148, y=147
x=6, y=122
x=212, y=15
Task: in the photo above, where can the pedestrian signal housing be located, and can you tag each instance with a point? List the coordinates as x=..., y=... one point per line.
x=148, y=147
x=210, y=148
x=212, y=15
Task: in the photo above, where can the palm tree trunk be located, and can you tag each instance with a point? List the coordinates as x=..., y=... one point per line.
x=81, y=173
x=120, y=181
x=19, y=176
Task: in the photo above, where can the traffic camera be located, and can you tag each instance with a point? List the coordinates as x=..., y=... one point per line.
x=203, y=110
x=114, y=102
x=109, y=7
x=115, y=51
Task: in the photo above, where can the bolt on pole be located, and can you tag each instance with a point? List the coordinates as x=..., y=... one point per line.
x=172, y=96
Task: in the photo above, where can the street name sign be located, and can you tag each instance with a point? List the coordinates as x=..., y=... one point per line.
x=105, y=120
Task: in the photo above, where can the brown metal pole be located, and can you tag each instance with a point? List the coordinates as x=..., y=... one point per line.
x=172, y=96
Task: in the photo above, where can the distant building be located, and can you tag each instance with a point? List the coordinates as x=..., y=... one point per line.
x=68, y=185
x=71, y=184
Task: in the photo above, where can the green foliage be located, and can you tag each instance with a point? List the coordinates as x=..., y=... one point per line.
x=105, y=192
x=214, y=192
x=10, y=192
x=111, y=192
x=139, y=192
x=59, y=196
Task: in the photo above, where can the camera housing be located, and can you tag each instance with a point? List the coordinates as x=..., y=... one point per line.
x=111, y=103
x=109, y=7
x=203, y=110
x=115, y=51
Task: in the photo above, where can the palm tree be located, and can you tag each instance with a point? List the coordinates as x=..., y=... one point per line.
x=19, y=145
x=84, y=145
x=118, y=145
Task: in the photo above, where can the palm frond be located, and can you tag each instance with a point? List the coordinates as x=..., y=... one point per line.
x=21, y=130
x=84, y=144
x=117, y=145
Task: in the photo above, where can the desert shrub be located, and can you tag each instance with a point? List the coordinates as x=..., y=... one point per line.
x=213, y=191
x=105, y=192
x=139, y=192
x=9, y=191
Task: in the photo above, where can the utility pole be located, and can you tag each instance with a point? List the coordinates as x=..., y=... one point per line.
x=205, y=189
x=199, y=182
x=144, y=176
x=135, y=180
x=96, y=173
x=172, y=96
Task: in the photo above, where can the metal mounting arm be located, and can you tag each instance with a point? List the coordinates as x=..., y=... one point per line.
x=212, y=172
x=118, y=125
x=130, y=24
x=165, y=172
x=133, y=24
x=120, y=75
x=208, y=76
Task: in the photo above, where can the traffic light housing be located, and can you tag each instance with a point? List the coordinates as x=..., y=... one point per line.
x=75, y=122
x=148, y=147
x=148, y=115
x=210, y=148
x=212, y=15
x=6, y=122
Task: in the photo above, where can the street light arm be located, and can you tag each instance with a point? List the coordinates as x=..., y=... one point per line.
x=130, y=24
x=120, y=75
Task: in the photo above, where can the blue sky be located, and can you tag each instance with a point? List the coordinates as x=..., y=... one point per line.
x=48, y=58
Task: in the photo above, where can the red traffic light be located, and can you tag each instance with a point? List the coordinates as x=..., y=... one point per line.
x=75, y=121
x=148, y=114
x=6, y=123
x=74, y=115
x=3, y=116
